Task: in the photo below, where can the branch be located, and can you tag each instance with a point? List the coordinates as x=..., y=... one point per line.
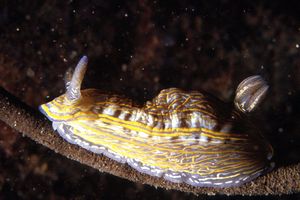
x=26, y=120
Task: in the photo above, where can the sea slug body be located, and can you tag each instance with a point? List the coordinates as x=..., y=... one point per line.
x=189, y=137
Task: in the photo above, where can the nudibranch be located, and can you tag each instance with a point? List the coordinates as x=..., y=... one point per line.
x=189, y=137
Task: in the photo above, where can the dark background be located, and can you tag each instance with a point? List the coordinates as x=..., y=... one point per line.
x=137, y=48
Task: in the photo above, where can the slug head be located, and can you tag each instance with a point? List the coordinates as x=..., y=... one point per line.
x=67, y=105
x=250, y=93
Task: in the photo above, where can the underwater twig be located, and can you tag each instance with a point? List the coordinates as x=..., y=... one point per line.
x=30, y=122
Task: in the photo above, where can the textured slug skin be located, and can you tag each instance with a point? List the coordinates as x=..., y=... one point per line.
x=188, y=137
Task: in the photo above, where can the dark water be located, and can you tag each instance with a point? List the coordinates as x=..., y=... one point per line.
x=138, y=48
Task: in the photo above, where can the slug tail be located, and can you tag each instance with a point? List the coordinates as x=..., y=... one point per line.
x=250, y=93
x=73, y=87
